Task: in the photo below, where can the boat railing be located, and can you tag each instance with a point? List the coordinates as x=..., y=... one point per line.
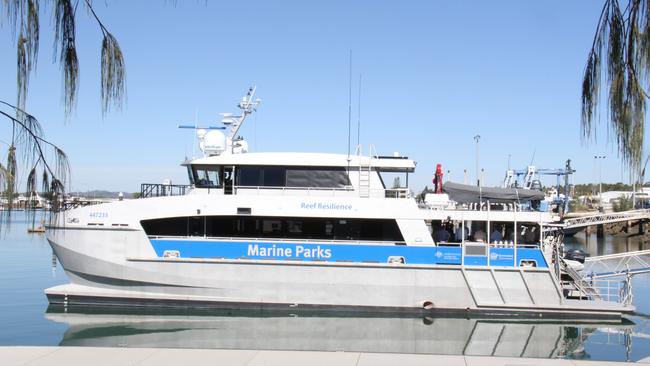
x=476, y=207
x=610, y=290
x=289, y=190
x=72, y=204
x=504, y=244
x=287, y=240
x=158, y=190
x=397, y=193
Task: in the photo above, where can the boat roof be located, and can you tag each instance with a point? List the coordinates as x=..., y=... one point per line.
x=381, y=163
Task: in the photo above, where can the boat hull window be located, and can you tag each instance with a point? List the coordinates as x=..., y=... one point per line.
x=276, y=227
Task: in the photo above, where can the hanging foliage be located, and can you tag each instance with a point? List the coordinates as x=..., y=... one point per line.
x=41, y=155
x=23, y=16
x=620, y=51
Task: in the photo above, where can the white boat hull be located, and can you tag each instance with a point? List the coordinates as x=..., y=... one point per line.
x=122, y=274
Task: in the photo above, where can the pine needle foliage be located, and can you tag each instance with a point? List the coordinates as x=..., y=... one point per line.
x=40, y=155
x=64, y=40
x=113, y=73
x=620, y=52
x=23, y=16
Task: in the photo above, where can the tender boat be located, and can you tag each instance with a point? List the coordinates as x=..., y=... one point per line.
x=317, y=231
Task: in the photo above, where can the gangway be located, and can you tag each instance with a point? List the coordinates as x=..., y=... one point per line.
x=604, y=218
x=621, y=264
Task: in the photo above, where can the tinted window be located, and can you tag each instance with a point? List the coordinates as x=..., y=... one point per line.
x=250, y=176
x=171, y=226
x=298, y=177
x=276, y=227
x=195, y=226
x=274, y=177
x=321, y=177
x=207, y=176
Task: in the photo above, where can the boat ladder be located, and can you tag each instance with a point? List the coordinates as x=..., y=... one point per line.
x=578, y=282
x=364, y=177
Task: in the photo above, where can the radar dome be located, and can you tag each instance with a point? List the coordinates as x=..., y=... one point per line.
x=214, y=143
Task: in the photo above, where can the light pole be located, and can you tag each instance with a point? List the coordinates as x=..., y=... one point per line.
x=477, y=138
x=599, y=159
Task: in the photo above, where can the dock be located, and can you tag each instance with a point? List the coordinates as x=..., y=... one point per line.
x=98, y=356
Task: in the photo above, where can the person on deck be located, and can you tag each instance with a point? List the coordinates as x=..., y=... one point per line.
x=479, y=235
x=496, y=235
x=442, y=235
x=459, y=233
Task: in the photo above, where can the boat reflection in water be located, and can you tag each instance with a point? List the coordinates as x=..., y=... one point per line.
x=331, y=332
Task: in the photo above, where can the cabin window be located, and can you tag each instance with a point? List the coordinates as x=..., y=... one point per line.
x=296, y=177
x=250, y=176
x=207, y=176
x=196, y=226
x=276, y=227
x=190, y=174
x=271, y=228
x=317, y=177
x=170, y=226
x=274, y=177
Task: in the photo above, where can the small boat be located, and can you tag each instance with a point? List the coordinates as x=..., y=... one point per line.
x=38, y=229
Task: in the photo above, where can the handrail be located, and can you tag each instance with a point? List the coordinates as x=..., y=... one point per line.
x=157, y=190
x=605, y=218
x=283, y=188
x=579, y=282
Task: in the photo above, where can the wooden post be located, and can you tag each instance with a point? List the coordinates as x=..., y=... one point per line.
x=600, y=230
x=641, y=227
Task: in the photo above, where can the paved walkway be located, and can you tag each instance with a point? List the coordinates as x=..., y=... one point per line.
x=98, y=356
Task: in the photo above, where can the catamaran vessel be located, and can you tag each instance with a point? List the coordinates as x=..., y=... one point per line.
x=273, y=230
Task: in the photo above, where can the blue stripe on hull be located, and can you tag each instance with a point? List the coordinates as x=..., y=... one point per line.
x=500, y=257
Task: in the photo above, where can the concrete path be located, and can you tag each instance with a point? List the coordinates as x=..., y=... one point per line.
x=99, y=356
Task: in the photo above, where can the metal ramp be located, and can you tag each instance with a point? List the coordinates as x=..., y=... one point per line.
x=621, y=264
x=604, y=218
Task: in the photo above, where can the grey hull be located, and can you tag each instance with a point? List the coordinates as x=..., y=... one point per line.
x=121, y=280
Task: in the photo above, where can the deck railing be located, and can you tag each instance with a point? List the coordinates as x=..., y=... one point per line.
x=157, y=190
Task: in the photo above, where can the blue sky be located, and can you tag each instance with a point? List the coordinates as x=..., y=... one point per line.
x=434, y=74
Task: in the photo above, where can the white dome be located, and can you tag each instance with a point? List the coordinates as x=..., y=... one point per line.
x=213, y=142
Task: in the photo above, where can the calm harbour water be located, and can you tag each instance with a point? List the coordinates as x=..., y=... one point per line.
x=28, y=268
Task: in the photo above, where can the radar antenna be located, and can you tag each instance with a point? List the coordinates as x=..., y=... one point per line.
x=248, y=105
x=213, y=142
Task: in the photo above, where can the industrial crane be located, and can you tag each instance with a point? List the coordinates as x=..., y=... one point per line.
x=530, y=182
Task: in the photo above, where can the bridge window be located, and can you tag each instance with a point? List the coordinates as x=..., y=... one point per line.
x=207, y=176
